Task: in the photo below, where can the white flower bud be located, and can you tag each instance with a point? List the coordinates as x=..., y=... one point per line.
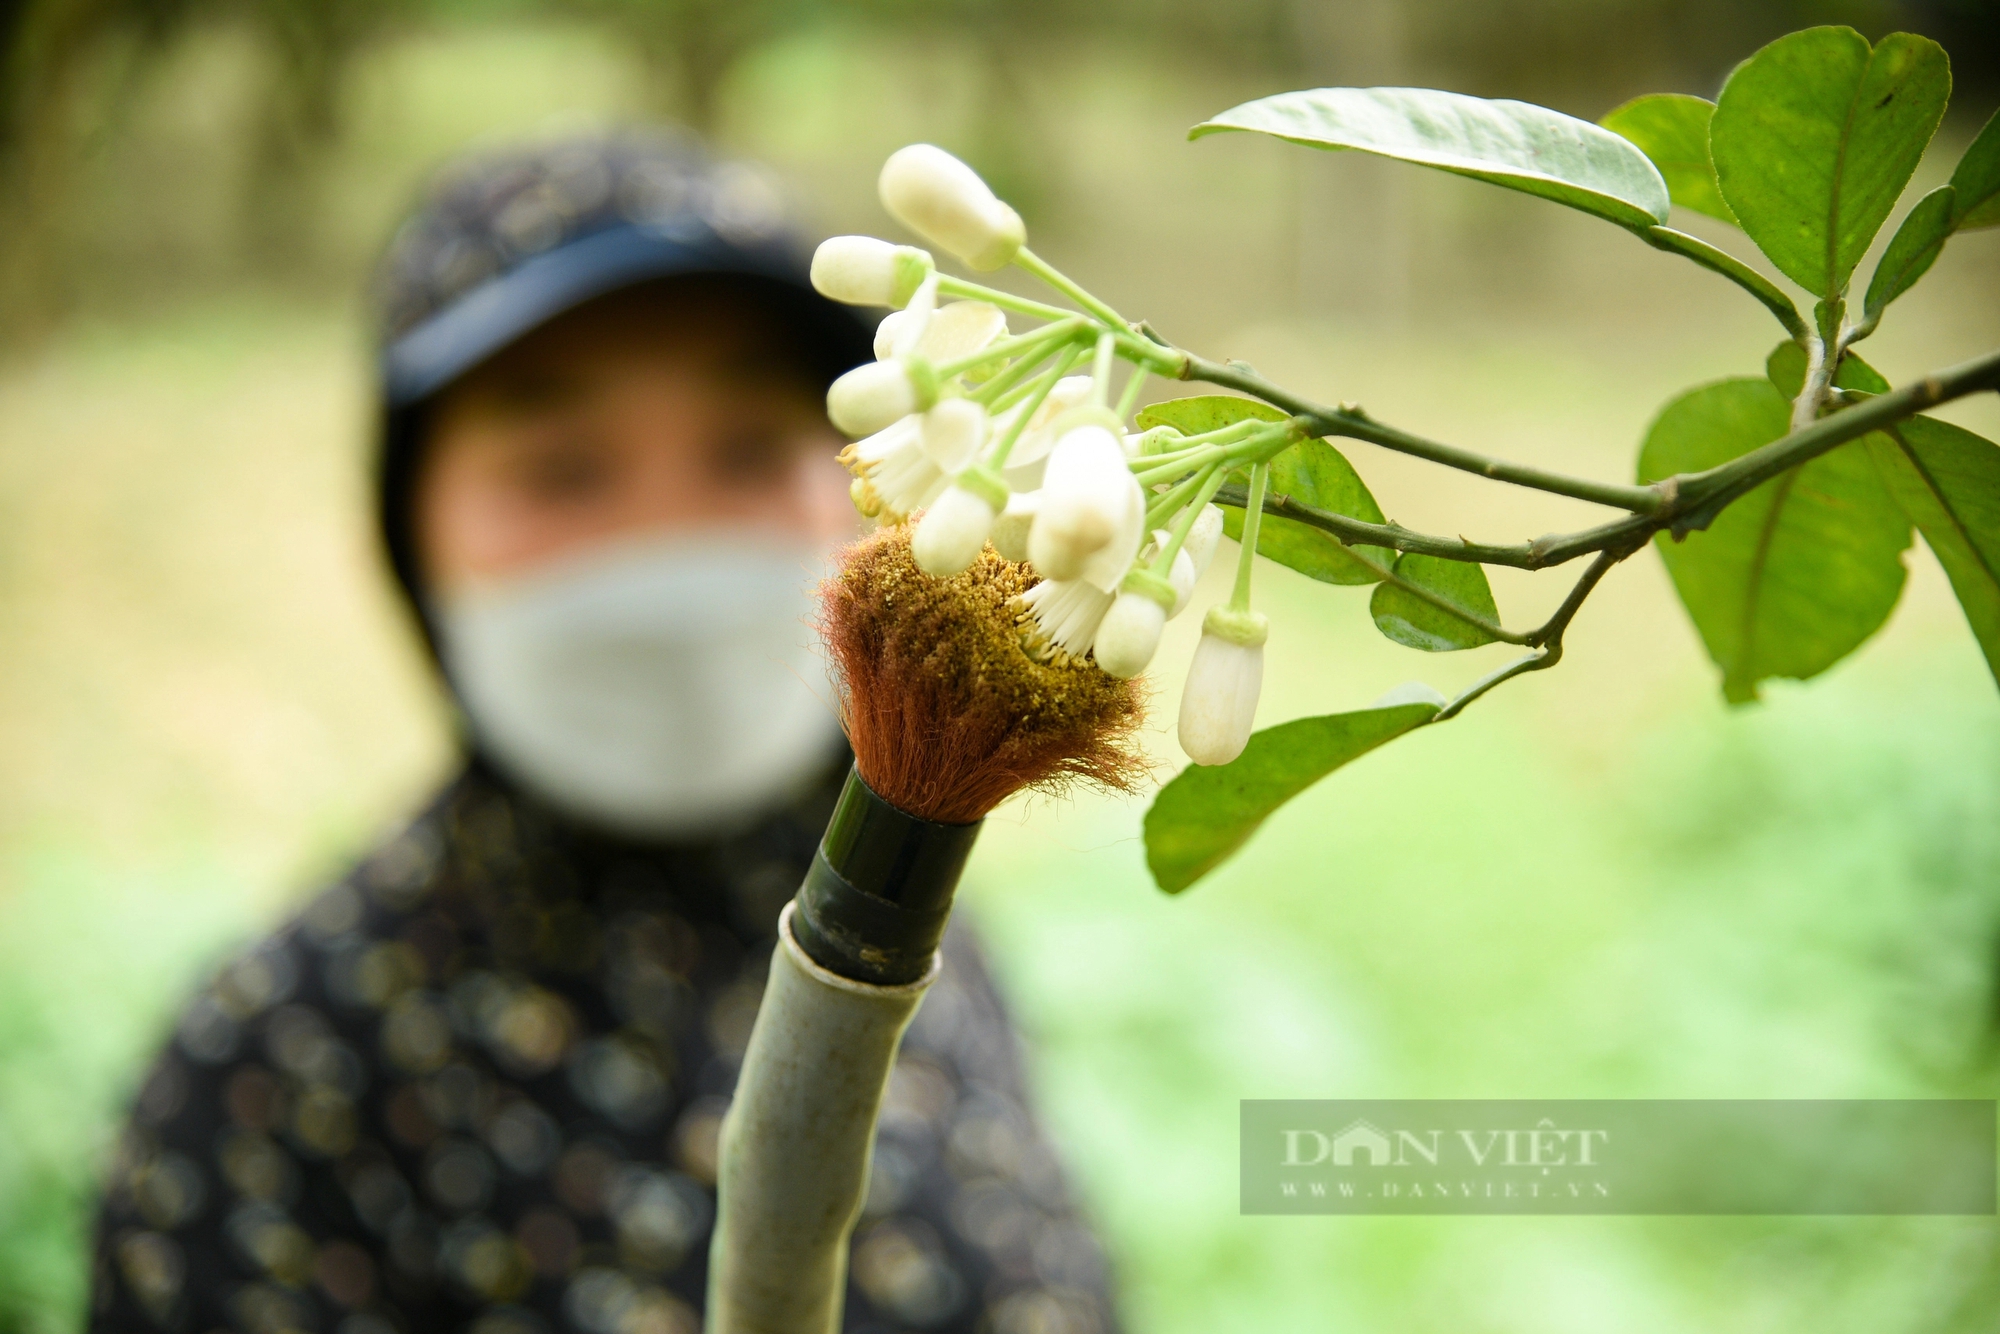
x=953, y=433
x=951, y=532
x=1093, y=511
x=1010, y=531
x=944, y=201
x=1204, y=538
x=870, y=398
x=889, y=333
x=863, y=271
x=1130, y=633
x=1219, y=705
x=1181, y=578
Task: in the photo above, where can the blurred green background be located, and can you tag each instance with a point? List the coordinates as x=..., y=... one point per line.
x=1600, y=883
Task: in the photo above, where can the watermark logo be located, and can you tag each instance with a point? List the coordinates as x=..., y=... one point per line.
x=1639, y=1157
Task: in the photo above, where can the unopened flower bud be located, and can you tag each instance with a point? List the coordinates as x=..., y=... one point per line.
x=1219, y=705
x=953, y=433
x=1204, y=538
x=952, y=531
x=1093, y=511
x=870, y=398
x=1181, y=578
x=1130, y=633
x=863, y=271
x=1010, y=531
x=889, y=333
x=944, y=201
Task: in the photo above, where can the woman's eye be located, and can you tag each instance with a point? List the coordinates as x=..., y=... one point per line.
x=753, y=453
x=567, y=471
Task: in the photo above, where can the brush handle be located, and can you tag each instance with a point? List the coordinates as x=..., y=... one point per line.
x=878, y=893
x=796, y=1143
x=856, y=950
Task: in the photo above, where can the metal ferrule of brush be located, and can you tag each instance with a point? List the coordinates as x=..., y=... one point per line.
x=875, y=901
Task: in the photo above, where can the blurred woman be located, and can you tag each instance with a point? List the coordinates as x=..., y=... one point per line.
x=477, y=1083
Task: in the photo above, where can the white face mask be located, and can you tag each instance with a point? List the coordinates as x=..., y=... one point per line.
x=657, y=687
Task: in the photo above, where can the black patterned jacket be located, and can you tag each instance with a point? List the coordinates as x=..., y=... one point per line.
x=476, y=1085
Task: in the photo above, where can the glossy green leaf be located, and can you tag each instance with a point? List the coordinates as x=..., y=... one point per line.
x=1314, y=473
x=1948, y=481
x=1417, y=623
x=1672, y=130
x=1976, y=180
x=1815, y=136
x=1204, y=413
x=1209, y=811
x=1785, y=368
x=1513, y=144
x=1913, y=249
x=1794, y=576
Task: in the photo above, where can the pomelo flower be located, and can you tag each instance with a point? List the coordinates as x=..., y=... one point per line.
x=1064, y=614
x=862, y=271
x=871, y=398
x=1219, y=705
x=953, y=432
x=1027, y=462
x=954, y=331
x=1129, y=635
x=1010, y=528
x=898, y=476
x=944, y=201
x=1093, y=511
x=952, y=532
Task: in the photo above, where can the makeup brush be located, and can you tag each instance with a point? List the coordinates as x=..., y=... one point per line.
x=949, y=715
x=948, y=712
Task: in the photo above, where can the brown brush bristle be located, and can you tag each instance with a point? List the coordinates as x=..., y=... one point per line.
x=947, y=713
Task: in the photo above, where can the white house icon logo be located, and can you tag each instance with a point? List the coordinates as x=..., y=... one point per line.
x=1367, y=1140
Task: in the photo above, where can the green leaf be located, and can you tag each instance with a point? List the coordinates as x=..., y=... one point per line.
x=1205, y=412
x=1416, y=623
x=1948, y=481
x=1816, y=135
x=1912, y=250
x=1793, y=576
x=1314, y=473
x=1976, y=180
x=1672, y=130
x=1209, y=811
x=1512, y=144
x=1786, y=370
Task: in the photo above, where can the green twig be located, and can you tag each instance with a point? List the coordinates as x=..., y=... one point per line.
x=1540, y=660
x=1352, y=422
x=1048, y=273
x=1020, y=305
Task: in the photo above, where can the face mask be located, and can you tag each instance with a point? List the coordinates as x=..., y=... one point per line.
x=656, y=688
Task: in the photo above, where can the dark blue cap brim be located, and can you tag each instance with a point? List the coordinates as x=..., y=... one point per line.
x=511, y=304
